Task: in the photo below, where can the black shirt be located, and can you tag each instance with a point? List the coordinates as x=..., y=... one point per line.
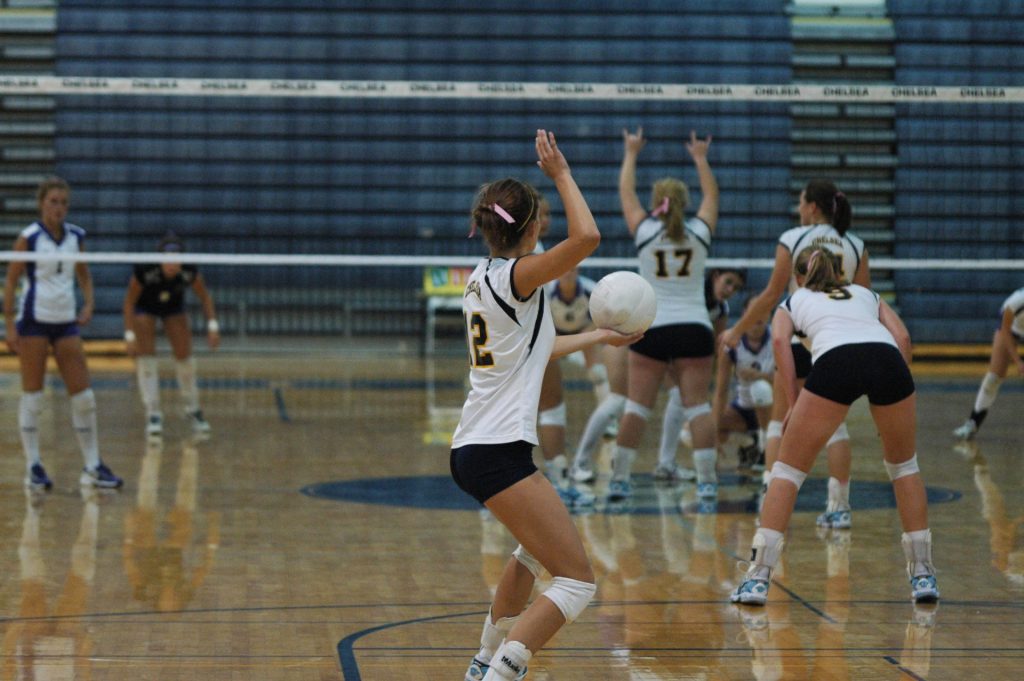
x=160, y=295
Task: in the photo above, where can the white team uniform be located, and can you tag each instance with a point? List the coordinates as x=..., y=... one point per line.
x=1016, y=303
x=843, y=317
x=675, y=270
x=571, y=316
x=743, y=357
x=49, y=296
x=510, y=343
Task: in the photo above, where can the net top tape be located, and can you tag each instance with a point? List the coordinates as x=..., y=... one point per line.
x=375, y=89
x=329, y=260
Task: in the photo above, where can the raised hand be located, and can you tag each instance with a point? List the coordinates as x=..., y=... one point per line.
x=698, y=148
x=549, y=157
x=633, y=142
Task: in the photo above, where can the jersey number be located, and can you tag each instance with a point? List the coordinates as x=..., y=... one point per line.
x=683, y=254
x=478, y=354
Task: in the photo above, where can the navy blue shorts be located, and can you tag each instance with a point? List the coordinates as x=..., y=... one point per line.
x=481, y=471
x=749, y=416
x=874, y=369
x=676, y=341
x=53, y=332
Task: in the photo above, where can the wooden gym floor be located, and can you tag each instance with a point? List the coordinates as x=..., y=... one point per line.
x=315, y=535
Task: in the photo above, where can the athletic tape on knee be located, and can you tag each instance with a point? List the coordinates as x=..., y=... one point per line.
x=902, y=470
x=528, y=561
x=555, y=416
x=571, y=596
x=638, y=409
x=690, y=413
x=783, y=471
x=841, y=434
x=773, y=431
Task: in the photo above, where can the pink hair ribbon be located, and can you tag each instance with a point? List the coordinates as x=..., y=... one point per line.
x=662, y=207
x=503, y=213
x=810, y=260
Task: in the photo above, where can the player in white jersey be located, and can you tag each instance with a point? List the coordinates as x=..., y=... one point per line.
x=1005, y=349
x=46, y=317
x=859, y=347
x=825, y=215
x=671, y=253
x=511, y=339
x=753, y=362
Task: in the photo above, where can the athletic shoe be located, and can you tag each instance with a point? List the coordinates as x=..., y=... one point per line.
x=199, y=424
x=707, y=489
x=101, y=476
x=923, y=589
x=837, y=520
x=155, y=424
x=748, y=456
x=478, y=670
x=37, y=479
x=574, y=498
x=758, y=464
x=967, y=430
x=750, y=592
x=619, y=490
x=673, y=473
x=582, y=472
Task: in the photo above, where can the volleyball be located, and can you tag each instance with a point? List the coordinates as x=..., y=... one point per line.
x=623, y=301
x=761, y=393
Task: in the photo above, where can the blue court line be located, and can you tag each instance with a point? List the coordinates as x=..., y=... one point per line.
x=893, y=661
x=282, y=409
x=346, y=653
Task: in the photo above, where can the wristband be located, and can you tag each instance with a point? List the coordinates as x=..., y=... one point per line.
x=212, y=326
x=129, y=336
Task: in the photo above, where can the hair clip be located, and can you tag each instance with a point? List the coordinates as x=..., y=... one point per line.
x=662, y=207
x=503, y=213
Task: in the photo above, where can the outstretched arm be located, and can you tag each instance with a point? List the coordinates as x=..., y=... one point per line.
x=892, y=321
x=632, y=210
x=782, y=331
x=762, y=305
x=566, y=345
x=708, y=211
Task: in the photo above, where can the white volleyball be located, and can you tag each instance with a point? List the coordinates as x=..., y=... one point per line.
x=761, y=393
x=623, y=301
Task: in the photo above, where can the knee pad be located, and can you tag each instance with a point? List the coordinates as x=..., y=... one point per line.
x=528, y=561
x=841, y=434
x=783, y=471
x=902, y=470
x=638, y=409
x=571, y=596
x=773, y=431
x=690, y=413
x=555, y=416
x=84, y=403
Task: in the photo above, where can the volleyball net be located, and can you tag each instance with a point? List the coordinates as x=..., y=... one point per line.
x=341, y=207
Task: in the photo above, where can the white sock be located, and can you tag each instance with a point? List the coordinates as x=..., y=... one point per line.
x=28, y=423
x=765, y=552
x=610, y=408
x=508, y=661
x=838, y=496
x=186, y=371
x=622, y=462
x=704, y=462
x=917, y=548
x=83, y=417
x=987, y=392
x=493, y=635
x=148, y=377
x=671, y=425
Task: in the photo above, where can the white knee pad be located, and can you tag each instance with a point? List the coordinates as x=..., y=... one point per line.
x=773, y=431
x=638, y=409
x=841, y=434
x=528, y=561
x=555, y=416
x=783, y=471
x=690, y=413
x=902, y=470
x=571, y=596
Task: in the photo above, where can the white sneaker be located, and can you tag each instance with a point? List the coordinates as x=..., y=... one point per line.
x=582, y=472
x=199, y=424
x=155, y=423
x=967, y=430
x=673, y=473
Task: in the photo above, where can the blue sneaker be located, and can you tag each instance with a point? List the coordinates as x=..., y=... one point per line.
x=750, y=592
x=923, y=589
x=619, y=490
x=37, y=479
x=837, y=520
x=707, y=489
x=573, y=497
x=101, y=476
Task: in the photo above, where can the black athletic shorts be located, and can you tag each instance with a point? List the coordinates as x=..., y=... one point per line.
x=676, y=341
x=801, y=359
x=481, y=471
x=874, y=369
